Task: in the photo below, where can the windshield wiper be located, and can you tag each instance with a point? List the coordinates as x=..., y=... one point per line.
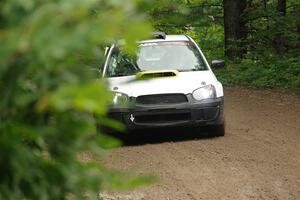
x=187, y=70
x=117, y=75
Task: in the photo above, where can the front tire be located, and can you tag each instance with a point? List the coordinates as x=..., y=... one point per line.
x=218, y=130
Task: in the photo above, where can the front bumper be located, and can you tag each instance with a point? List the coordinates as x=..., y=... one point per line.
x=206, y=112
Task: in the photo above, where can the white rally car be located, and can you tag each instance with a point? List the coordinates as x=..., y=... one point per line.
x=168, y=83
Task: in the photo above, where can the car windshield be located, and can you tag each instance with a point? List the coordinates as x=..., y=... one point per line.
x=181, y=56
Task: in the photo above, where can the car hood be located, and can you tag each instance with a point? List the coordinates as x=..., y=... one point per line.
x=184, y=82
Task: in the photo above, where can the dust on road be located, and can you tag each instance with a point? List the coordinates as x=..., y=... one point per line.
x=259, y=157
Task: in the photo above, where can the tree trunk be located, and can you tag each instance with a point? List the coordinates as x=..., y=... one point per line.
x=279, y=37
x=234, y=28
x=281, y=7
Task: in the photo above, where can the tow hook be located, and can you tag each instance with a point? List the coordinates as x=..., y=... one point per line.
x=132, y=117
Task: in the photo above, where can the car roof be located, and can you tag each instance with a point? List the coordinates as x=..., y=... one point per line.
x=168, y=38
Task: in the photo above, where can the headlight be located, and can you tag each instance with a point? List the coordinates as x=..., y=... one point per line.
x=120, y=98
x=205, y=92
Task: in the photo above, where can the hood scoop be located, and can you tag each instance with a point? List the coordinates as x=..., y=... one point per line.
x=156, y=74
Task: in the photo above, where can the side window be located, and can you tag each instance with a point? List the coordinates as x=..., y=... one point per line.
x=112, y=65
x=120, y=64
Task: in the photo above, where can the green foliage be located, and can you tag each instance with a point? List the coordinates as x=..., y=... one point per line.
x=261, y=65
x=276, y=73
x=49, y=54
x=265, y=64
x=265, y=23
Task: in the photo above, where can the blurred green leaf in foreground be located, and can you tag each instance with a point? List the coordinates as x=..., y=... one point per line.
x=49, y=54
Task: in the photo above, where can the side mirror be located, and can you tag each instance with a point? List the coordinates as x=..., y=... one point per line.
x=217, y=64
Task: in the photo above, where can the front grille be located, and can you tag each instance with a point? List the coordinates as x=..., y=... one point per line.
x=163, y=118
x=162, y=99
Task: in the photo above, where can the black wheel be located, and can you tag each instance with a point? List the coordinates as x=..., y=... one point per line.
x=218, y=130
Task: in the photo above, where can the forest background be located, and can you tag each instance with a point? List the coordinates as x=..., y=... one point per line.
x=259, y=39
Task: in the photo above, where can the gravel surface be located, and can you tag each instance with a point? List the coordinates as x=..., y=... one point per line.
x=258, y=158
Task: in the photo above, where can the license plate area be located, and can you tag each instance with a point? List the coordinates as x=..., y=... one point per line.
x=163, y=116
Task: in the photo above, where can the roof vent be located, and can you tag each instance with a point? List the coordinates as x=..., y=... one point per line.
x=159, y=35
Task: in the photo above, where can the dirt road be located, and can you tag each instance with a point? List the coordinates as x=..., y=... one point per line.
x=259, y=157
